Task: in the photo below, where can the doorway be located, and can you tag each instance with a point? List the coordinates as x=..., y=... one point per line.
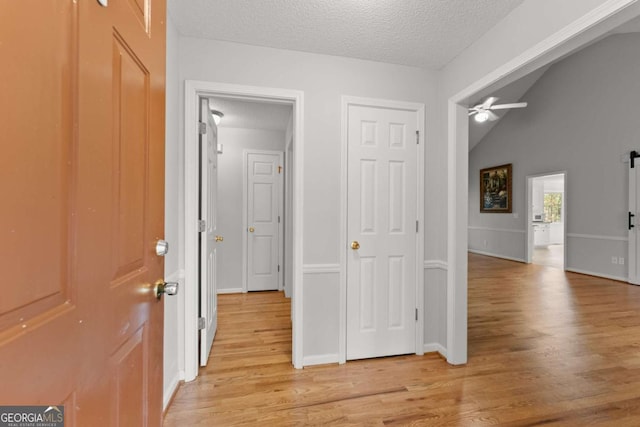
x=195, y=90
x=546, y=220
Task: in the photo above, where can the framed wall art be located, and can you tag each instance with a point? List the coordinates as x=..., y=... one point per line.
x=495, y=189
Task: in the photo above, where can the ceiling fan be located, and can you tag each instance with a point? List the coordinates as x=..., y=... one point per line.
x=483, y=112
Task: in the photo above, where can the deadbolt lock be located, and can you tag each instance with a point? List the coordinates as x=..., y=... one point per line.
x=219, y=238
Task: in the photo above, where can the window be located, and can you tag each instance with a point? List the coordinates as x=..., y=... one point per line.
x=553, y=207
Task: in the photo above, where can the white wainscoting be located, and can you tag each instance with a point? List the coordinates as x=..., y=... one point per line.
x=474, y=251
x=320, y=268
x=322, y=322
x=503, y=243
x=591, y=254
x=173, y=342
x=435, y=306
x=432, y=264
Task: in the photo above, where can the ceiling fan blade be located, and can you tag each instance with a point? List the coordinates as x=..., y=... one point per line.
x=489, y=102
x=492, y=116
x=505, y=106
x=472, y=112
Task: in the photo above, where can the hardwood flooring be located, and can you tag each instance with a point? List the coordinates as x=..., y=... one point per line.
x=545, y=348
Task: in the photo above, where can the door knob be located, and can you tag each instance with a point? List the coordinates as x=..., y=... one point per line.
x=162, y=247
x=169, y=288
x=251, y=229
x=219, y=238
x=355, y=245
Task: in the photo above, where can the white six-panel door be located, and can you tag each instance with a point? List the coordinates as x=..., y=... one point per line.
x=208, y=241
x=381, y=228
x=263, y=201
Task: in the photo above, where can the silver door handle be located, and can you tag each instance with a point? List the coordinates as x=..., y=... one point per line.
x=169, y=288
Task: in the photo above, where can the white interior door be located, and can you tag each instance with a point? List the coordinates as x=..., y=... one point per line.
x=382, y=232
x=634, y=233
x=263, y=217
x=208, y=238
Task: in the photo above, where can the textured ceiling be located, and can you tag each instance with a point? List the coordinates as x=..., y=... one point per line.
x=252, y=114
x=421, y=33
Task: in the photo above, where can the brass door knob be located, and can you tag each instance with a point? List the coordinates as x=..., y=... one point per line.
x=251, y=229
x=219, y=238
x=355, y=245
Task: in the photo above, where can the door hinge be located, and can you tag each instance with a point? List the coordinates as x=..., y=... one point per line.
x=416, y=314
x=279, y=169
x=202, y=323
x=417, y=137
x=202, y=128
x=202, y=225
x=633, y=155
x=278, y=269
x=417, y=226
x=278, y=219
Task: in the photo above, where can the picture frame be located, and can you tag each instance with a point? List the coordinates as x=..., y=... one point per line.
x=495, y=189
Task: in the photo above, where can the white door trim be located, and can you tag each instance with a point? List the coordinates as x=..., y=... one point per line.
x=245, y=223
x=419, y=109
x=193, y=89
x=584, y=30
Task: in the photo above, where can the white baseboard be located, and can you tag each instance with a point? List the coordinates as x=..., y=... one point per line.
x=434, y=347
x=170, y=390
x=591, y=273
x=321, y=359
x=230, y=291
x=474, y=251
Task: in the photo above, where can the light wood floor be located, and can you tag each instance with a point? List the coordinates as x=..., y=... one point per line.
x=551, y=256
x=545, y=348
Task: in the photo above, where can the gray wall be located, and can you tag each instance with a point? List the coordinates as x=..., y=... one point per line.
x=230, y=197
x=324, y=80
x=581, y=118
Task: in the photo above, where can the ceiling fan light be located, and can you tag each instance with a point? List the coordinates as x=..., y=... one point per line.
x=482, y=116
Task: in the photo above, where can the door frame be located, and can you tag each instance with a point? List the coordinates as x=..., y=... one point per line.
x=419, y=109
x=245, y=219
x=194, y=89
x=578, y=33
x=528, y=254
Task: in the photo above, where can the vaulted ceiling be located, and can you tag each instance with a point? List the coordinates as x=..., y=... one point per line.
x=420, y=33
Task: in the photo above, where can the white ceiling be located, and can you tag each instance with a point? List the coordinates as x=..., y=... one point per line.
x=252, y=114
x=421, y=33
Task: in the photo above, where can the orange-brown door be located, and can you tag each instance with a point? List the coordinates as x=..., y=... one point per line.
x=82, y=181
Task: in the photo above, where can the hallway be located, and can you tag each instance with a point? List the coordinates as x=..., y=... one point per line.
x=545, y=347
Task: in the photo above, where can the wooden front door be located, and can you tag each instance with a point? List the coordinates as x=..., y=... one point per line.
x=82, y=168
